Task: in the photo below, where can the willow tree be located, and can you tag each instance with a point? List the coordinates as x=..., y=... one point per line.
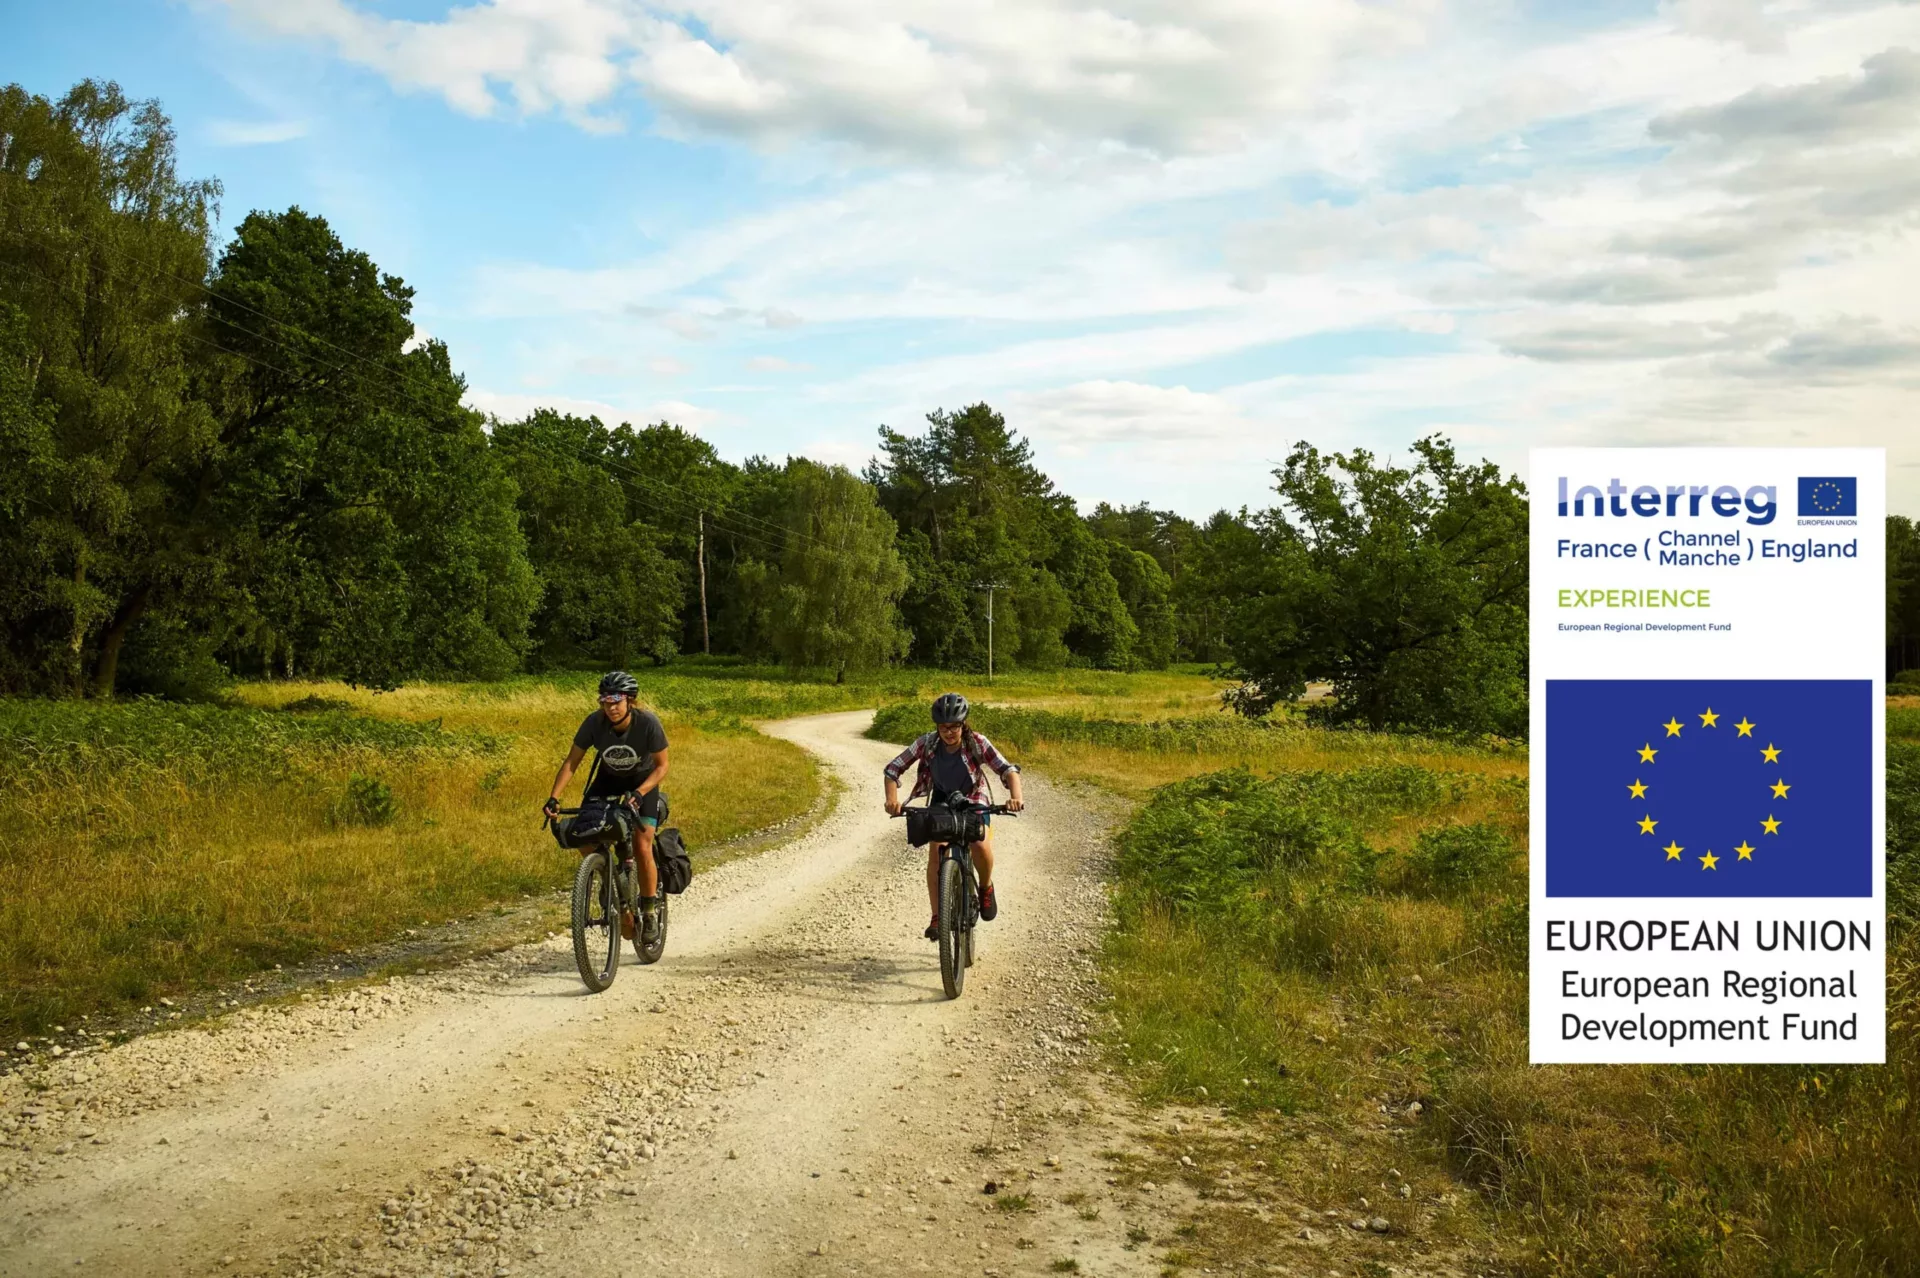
x=841, y=578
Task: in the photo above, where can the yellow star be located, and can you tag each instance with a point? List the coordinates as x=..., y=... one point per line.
x=1673, y=851
x=1672, y=726
x=1709, y=719
x=1646, y=824
x=1746, y=729
x=1770, y=825
x=1771, y=754
x=1647, y=752
x=1709, y=861
x=1638, y=789
x=1780, y=789
x=1745, y=850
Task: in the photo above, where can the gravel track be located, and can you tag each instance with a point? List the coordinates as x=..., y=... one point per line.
x=787, y=1091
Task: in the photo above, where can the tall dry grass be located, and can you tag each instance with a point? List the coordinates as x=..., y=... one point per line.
x=147, y=848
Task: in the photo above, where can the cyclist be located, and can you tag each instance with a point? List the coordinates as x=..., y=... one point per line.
x=630, y=759
x=953, y=758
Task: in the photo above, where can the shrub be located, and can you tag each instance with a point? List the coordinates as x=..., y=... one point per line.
x=367, y=801
x=1451, y=859
x=1211, y=839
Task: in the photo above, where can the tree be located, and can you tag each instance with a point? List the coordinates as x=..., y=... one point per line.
x=1404, y=587
x=1147, y=593
x=1903, y=594
x=380, y=535
x=840, y=576
x=1100, y=631
x=103, y=251
x=973, y=508
x=610, y=592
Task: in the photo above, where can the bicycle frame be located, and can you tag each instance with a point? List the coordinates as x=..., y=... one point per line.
x=956, y=940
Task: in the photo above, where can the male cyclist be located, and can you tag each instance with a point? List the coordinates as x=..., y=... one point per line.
x=953, y=758
x=630, y=759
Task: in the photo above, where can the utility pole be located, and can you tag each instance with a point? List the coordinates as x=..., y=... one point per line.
x=989, y=587
x=706, y=641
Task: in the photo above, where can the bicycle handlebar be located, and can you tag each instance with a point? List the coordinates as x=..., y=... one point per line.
x=995, y=809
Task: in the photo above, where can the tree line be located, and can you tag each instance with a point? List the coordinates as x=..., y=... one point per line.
x=239, y=459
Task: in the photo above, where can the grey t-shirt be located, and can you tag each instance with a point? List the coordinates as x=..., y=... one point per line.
x=625, y=758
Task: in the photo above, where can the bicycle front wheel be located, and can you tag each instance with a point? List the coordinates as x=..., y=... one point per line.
x=596, y=922
x=953, y=925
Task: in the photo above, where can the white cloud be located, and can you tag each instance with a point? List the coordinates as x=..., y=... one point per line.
x=668, y=366
x=774, y=364
x=254, y=132
x=1130, y=414
x=1698, y=224
x=512, y=406
x=961, y=77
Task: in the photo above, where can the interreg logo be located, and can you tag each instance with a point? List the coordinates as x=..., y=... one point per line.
x=1759, y=503
x=1829, y=495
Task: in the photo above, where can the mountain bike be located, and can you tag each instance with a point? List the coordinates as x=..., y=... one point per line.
x=605, y=894
x=955, y=826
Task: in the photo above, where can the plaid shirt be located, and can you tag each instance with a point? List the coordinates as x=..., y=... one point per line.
x=975, y=750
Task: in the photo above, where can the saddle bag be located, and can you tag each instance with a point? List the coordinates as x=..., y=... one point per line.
x=671, y=860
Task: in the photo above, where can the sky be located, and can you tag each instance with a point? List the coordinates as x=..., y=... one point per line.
x=1166, y=238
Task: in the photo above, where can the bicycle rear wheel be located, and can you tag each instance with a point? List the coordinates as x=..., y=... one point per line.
x=596, y=922
x=953, y=918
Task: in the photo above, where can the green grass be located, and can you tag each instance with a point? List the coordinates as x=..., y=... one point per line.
x=1320, y=940
x=149, y=848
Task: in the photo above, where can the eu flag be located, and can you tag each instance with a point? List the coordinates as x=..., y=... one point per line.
x=1836, y=495
x=1709, y=787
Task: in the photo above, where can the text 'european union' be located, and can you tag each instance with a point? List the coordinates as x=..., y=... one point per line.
x=1709, y=787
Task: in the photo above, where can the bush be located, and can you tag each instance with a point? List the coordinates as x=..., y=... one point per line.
x=367, y=801
x=1209, y=841
x=1452, y=859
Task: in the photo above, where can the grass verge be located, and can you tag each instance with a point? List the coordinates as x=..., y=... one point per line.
x=1327, y=938
x=148, y=848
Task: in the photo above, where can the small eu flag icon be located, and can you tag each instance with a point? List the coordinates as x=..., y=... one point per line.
x=1709, y=787
x=1836, y=495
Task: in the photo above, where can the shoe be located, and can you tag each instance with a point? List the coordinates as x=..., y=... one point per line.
x=988, y=905
x=626, y=924
x=649, y=921
x=933, y=929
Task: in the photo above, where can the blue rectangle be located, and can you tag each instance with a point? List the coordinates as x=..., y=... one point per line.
x=1834, y=495
x=1709, y=787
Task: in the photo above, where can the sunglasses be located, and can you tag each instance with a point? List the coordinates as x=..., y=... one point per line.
x=611, y=701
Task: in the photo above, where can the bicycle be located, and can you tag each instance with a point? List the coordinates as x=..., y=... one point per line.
x=605, y=896
x=955, y=827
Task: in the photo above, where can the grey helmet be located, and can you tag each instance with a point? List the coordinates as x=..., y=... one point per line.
x=619, y=683
x=950, y=707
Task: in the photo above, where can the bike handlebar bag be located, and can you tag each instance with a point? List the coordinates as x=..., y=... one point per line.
x=671, y=860
x=595, y=820
x=942, y=825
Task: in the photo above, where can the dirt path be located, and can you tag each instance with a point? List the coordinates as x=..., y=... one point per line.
x=787, y=1092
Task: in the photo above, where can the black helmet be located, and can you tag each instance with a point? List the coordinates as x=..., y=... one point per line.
x=949, y=707
x=619, y=683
